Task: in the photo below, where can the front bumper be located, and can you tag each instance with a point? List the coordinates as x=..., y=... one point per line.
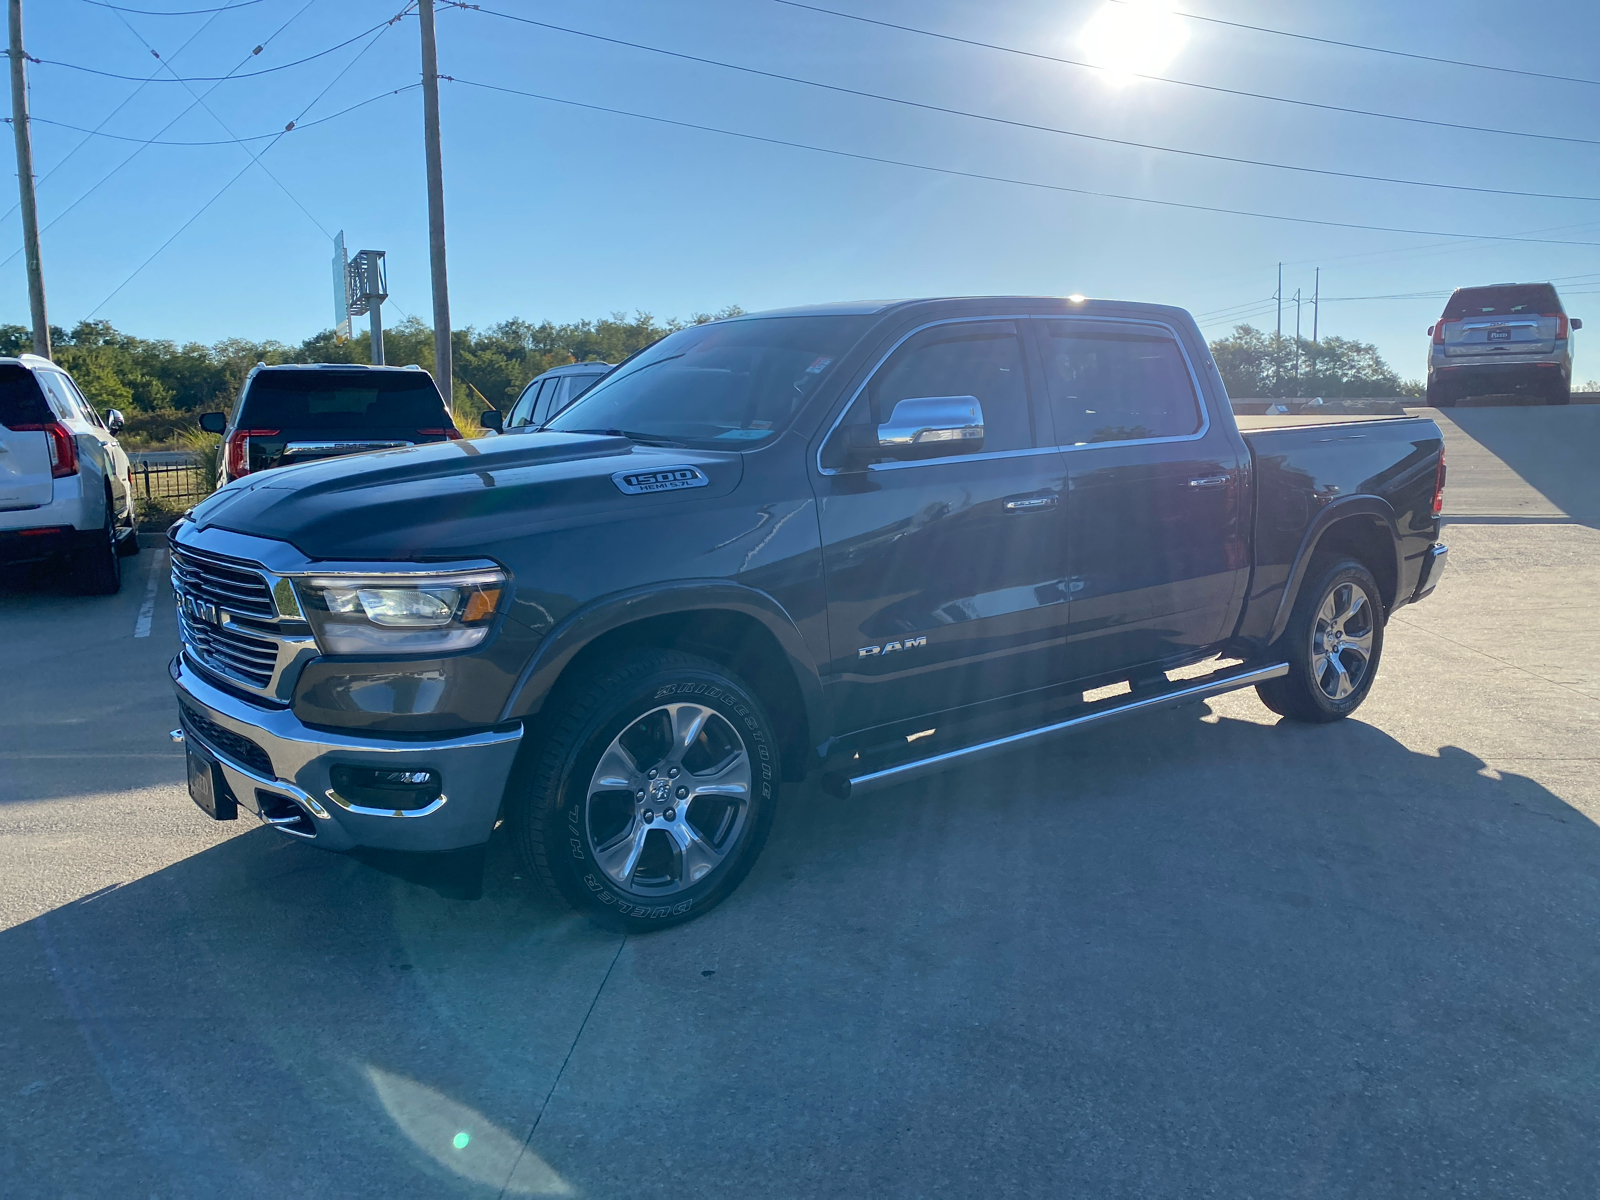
x=268, y=751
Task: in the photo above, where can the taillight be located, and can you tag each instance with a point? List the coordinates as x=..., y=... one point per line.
x=1561, y=324
x=452, y=433
x=1438, y=334
x=61, y=445
x=1438, y=489
x=239, y=449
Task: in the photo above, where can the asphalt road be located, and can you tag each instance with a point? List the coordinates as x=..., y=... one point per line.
x=1202, y=954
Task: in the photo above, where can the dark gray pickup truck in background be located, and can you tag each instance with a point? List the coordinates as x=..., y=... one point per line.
x=861, y=541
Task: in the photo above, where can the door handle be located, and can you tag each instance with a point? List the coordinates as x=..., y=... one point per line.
x=1022, y=504
x=1211, y=481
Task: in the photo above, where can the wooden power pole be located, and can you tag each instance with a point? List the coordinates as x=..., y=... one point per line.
x=443, y=368
x=30, y=211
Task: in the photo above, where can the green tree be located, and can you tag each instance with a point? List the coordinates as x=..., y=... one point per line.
x=1253, y=363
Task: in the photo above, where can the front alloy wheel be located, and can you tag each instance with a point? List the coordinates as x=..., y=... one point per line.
x=668, y=799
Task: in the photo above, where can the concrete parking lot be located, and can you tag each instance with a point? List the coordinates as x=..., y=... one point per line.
x=1201, y=954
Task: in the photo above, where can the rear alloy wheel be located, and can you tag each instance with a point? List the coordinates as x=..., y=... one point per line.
x=654, y=791
x=1333, y=643
x=96, y=563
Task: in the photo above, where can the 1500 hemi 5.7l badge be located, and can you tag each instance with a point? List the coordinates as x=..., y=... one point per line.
x=659, y=479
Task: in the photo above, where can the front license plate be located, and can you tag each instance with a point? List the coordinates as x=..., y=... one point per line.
x=208, y=790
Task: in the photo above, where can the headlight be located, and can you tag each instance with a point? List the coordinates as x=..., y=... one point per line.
x=395, y=615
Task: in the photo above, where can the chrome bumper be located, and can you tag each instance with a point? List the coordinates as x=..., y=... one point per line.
x=473, y=769
x=1433, y=564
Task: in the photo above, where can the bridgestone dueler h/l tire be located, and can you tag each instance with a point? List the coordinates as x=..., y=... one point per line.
x=565, y=825
x=1320, y=664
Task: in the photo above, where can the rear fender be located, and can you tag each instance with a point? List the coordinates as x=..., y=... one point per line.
x=1330, y=516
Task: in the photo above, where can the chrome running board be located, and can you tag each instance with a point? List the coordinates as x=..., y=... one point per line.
x=1200, y=689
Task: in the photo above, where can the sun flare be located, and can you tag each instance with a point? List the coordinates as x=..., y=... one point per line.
x=1127, y=38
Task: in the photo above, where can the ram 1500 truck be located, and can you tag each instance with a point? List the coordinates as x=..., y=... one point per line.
x=861, y=542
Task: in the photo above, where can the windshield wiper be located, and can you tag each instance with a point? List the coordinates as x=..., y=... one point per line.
x=633, y=435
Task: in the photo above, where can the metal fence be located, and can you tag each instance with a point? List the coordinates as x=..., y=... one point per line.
x=183, y=483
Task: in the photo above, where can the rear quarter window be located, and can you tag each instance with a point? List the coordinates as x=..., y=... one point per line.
x=1511, y=300
x=21, y=400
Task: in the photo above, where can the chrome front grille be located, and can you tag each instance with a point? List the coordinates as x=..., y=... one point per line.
x=231, y=625
x=225, y=648
x=233, y=587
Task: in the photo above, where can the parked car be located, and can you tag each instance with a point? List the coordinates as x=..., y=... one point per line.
x=865, y=542
x=64, y=486
x=1508, y=339
x=545, y=396
x=304, y=412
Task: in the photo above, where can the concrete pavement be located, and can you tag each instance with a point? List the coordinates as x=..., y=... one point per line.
x=1202, y=953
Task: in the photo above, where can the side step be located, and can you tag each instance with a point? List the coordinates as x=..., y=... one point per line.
x=1191, y=690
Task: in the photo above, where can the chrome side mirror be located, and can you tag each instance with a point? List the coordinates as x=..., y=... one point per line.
x=114, y=421
x=933, y=425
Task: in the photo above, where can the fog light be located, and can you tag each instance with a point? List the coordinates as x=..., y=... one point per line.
x=375, y=787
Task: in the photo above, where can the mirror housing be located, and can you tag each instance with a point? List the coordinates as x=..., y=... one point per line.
x=494, y=419
x=1430, y=330
x=1575, y=323
x=213, y=422
x=919, y=427
x=115, y=421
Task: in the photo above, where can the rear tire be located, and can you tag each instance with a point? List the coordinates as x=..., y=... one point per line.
x=650, y=792
x=1333, y=643
x=96, y=563
x=1560, y=394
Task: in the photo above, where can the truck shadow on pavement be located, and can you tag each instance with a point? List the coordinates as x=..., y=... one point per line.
x=1553, y=449
x=1191, y=955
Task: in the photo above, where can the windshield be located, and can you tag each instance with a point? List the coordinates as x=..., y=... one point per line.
x=731, y=384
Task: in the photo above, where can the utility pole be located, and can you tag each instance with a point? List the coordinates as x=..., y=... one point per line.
x=1297, y=333
x=444, y=374
x=1316, y=297
x=1278, y=296
x=30, y=211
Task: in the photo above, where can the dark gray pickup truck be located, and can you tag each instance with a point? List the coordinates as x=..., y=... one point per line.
x=862, y=542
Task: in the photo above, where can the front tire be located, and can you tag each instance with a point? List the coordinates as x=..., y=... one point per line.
x=1333, y=643
x=651, y=792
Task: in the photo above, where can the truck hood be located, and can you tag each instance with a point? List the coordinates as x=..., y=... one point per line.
x=451, y=499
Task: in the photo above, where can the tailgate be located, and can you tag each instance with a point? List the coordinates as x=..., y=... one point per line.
x=25, y=480
x=1487, y=336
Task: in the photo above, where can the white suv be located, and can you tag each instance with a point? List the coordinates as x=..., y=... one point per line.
x=64, y=485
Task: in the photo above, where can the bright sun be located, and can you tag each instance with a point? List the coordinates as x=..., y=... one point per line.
x=1136, y=37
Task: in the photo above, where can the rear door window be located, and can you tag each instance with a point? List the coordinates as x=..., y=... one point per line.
x=1113, y=381
x=341, y=400
x=67, y=405
x=22, y=402
x=1509, y=300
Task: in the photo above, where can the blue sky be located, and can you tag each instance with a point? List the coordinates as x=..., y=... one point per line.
x=563, y=212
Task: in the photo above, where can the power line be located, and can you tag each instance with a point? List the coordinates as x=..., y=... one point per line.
x=1030, y=125
x=252, y=137
x=1204, y=87
x=255, y=158
x=188, y=12
x=1028, y=183
x=230, y=76
x=94, y=187
x=378, y=31
x=1451, y=62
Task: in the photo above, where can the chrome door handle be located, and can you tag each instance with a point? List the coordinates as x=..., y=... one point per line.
x=1211, y=481
x=1019, y=504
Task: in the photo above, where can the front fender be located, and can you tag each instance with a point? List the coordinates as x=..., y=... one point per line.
x=607, y=614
